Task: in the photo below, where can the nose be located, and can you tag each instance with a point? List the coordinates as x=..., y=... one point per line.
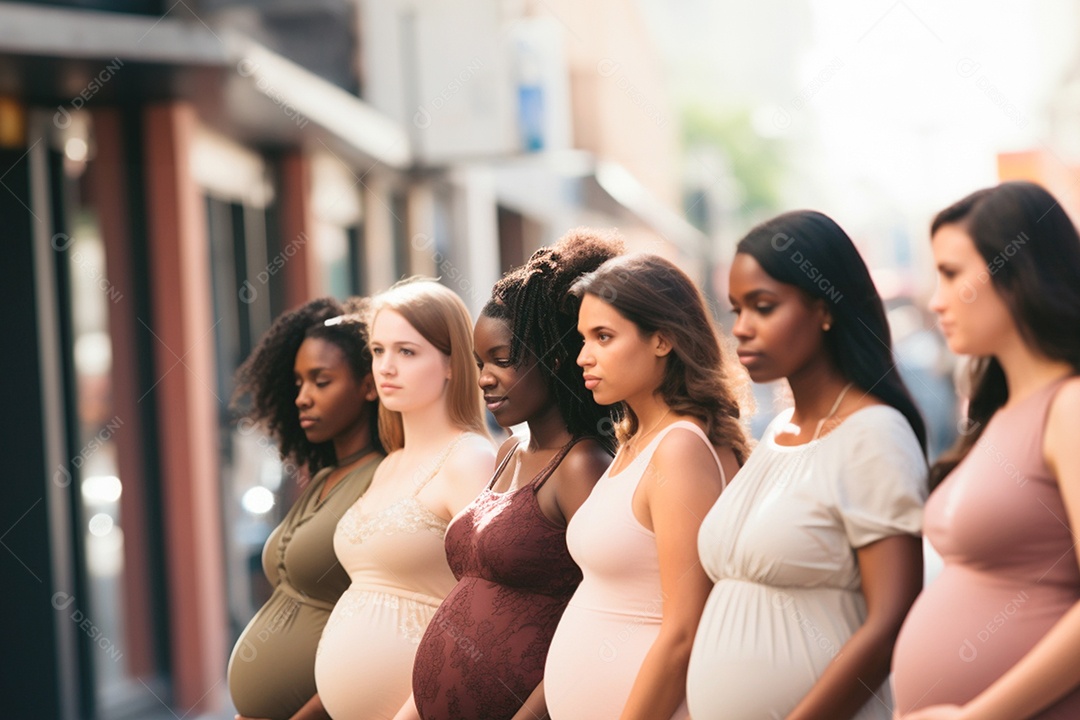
x=383, y=365
x=743, y=329
x=585, y=358
x=487, y=380
x=303, y=398
x=937, y=301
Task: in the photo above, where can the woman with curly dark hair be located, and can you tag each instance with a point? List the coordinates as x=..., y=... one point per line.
x=483, y=654
x=650, y=347
x=310, y=387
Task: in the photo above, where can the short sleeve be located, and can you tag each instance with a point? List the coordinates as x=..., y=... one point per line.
x=883, y=478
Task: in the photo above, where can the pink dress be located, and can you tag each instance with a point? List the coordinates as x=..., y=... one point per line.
x=614, y=616
x=999, y=523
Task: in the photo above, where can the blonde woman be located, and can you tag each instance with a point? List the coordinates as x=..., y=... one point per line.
x=391, y=541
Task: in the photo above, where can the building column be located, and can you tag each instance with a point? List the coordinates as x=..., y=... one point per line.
x=379, y=264
x=301, y=271
x=183, y=326
x=476, y=235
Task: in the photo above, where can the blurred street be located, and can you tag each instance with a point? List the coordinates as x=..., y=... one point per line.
x=174, y=174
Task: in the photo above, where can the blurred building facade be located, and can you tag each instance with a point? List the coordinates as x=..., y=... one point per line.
x=175, y=175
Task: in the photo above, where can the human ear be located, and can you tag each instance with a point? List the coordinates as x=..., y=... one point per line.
x=825, y=315
x=661, y=345
x=368, y=389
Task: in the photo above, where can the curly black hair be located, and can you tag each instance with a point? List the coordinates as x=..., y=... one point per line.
x=267, y=375
x=534, y=300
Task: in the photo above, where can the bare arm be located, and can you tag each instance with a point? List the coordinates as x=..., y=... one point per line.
x=891, y=571
x=680, y=486
x=1049, y=671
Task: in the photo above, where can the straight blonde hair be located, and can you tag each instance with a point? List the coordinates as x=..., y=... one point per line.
x=442, y=319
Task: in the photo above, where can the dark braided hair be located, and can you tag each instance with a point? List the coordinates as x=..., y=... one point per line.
x=534, y=300
x=266, y=377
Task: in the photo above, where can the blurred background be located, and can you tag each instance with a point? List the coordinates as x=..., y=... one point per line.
x=175, y=173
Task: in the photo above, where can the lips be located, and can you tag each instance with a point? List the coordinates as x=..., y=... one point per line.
x=494, y=402
x=389, y=387
x=591, y=381
x=306, y=422
x=748, y=358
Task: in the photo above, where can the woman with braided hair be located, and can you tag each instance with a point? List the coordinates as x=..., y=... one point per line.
x=310, y=385
x=483, y=654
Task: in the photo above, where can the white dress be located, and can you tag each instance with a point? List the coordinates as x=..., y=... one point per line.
x=780, y=546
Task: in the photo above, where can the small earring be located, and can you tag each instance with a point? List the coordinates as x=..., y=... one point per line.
x=826, y=327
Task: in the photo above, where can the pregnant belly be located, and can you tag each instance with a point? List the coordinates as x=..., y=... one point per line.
x=759, y=649
x=363, y=667
x=593, y=661
x=966, y=630
x=272, y=668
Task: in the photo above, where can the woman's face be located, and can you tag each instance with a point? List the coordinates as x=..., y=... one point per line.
x=778, y=326
x=971, y=313
x=513, y=394
x=331, y=400
x=620, y=363
x=410, y=373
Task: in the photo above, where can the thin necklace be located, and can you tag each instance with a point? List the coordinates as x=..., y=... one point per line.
x=835, y=407
x=350, y=459
x=653, y=428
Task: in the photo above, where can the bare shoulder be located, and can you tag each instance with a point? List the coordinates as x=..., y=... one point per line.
x=1061, y=422
x=585, y=463
x=684, y=458
x=474, y=454
x=506, y=448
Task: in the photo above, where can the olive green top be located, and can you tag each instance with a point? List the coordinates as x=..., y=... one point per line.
x=272, y=668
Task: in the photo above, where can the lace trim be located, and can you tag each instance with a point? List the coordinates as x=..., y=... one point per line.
x=412, y=616
x=407, y=515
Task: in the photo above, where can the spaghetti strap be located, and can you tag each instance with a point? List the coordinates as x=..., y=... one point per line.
x=546, y=472
x=503, y=464
x=438, y=464
x=687, y=425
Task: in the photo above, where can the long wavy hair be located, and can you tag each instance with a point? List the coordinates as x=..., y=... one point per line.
x=658, y=297
x=809, y=250
x=442, y=319
x=535, y=302
x=266, y=388
x=1032, y=254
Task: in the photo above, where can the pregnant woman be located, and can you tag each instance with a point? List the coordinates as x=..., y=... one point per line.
x=997, y=635
x=391, y=540
x=815, y=547
x=482, y=657
x=622, y=646
x=311, y=387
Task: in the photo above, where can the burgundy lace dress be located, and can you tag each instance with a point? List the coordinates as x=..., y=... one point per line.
x=483, y=652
